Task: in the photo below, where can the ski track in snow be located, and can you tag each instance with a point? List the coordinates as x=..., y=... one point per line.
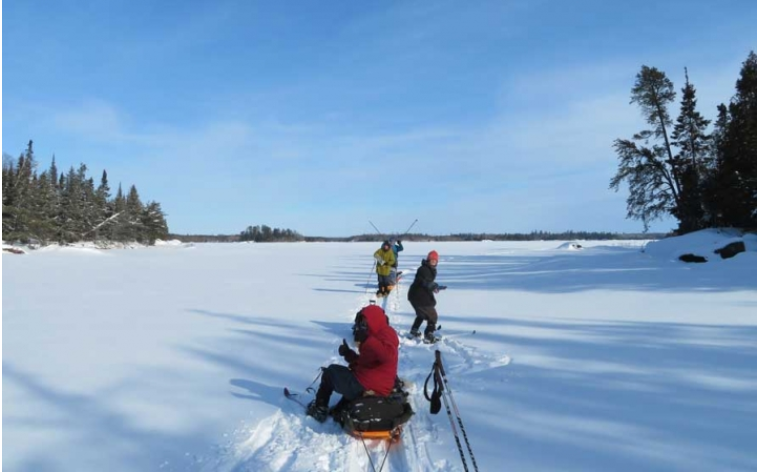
x=290, y=441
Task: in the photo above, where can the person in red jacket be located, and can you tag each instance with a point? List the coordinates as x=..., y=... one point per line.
x=372, y=371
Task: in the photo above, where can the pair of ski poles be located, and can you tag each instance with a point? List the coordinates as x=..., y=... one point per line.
x=438, y=370
x=401, y=236
x=381, y=234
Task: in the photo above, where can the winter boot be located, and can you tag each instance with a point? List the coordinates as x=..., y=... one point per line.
x=317, y=411
x=415, y=333
x=429, y=337
x=339, y=409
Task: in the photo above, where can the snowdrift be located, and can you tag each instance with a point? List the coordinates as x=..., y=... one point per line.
x=570, y=245
x=703, y=243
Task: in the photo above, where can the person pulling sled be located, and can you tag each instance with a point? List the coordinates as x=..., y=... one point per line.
x=421, y=296
x=385, y=259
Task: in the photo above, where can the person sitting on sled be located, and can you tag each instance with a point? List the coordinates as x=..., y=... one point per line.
x=385, y=258
x=371, y=372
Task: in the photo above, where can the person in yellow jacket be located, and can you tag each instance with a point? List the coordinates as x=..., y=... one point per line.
x=385, y=259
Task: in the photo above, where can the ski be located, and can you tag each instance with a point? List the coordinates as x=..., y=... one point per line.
x=421, y=339
x=295, y=397
x=437, y=337
x=459, y=334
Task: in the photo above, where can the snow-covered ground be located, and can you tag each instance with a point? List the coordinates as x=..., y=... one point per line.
x=174, y=357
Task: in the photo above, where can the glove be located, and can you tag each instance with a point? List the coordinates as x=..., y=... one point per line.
x=343, y=349
x=441, y=288
x=346, y=352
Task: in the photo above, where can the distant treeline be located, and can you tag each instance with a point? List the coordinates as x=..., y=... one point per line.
x=65, y=207
x=263, y=233
x=257, y=234
x=531, y=236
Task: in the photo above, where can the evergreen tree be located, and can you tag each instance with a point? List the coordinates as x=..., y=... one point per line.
x=153, y=223
x=90, y=213
x=740, y=154
x=103, y=193
x=133, y=218
x=71, y=218
x=44, y=210
x=690, y=164
x=731, y=190
x=104, y=209
x=119, y=203
x=133, y=202
x=52, y=195
x=67, y=206
x=713, y=211
x=53, y=173
x=9, y=175
x=20, y=211
x=118, y=229
x=650, y=170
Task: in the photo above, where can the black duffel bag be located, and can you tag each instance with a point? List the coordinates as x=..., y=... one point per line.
x=374, y=413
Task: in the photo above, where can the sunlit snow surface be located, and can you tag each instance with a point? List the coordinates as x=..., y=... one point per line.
x=174, y=357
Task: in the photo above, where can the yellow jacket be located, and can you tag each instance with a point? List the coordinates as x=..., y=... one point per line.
x=385, y=260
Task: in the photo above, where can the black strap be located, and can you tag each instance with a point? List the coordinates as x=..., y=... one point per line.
x=310, y=388
x=436, y=396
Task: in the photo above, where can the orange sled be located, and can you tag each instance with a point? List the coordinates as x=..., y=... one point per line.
x=391, y=435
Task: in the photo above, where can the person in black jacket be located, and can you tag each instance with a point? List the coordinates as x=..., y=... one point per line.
x=421, y=296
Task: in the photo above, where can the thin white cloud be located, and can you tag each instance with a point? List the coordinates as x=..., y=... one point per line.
x=533, y=157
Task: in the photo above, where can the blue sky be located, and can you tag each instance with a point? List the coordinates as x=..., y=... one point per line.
x=494, y=116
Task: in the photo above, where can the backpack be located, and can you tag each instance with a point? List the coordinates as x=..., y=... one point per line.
x=374, y=413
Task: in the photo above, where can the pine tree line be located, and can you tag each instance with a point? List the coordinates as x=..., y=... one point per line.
x=264, y=233
x=702, y=179
x=66, y=207
x=531, y=236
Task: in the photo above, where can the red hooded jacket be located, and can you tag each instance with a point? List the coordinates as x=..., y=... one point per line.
x=376, y=365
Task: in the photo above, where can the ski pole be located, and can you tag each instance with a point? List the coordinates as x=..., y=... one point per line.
x=409, y=228
x=369, y=277
x=450, y=416
x=310, y=389
x=455, y=408
x=377, y=230
x=460, y=334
